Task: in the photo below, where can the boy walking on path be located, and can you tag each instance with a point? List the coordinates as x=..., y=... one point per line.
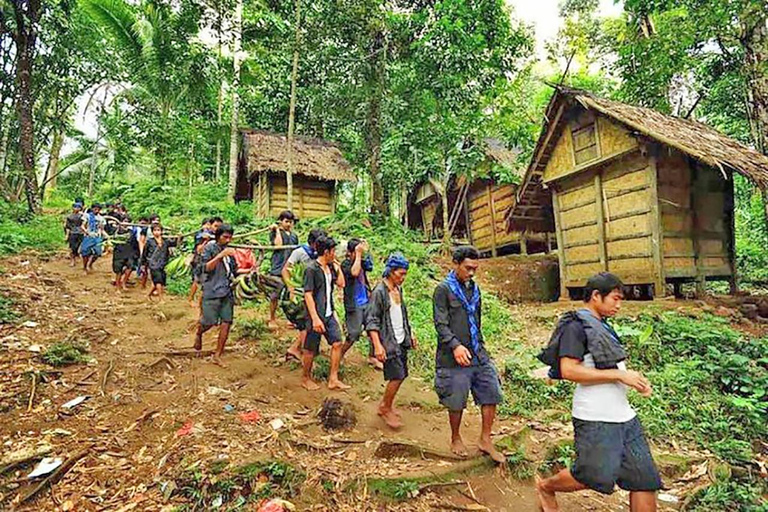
x=157, y=254
x=218, y=307
x=73, y=228
x=610, y=444
x=357, y=293
x=319, y=280
x=463, y=365
x=93, y=229
x=300, y=256
x=391, y=335
x=281, y=234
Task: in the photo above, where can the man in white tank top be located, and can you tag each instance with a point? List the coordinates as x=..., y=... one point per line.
x=611, y=448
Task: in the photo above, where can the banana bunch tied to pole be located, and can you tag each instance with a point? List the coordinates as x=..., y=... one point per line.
x=178, y=267
x=246, y=287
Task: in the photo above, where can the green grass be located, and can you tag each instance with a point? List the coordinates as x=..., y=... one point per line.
x=8, y=313
x=66, y=353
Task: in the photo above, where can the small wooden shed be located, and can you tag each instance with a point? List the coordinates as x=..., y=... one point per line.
x=629, y=190
x=476, y=208
x=319, y=167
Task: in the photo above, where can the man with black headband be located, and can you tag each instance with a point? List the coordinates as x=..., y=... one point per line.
x=391, y=334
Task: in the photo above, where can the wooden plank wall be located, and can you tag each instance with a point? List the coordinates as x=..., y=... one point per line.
x=711, y=221
x=261, y=194
x=311, y=198
x=605, y=222
x=675, y=202
x=486, y=201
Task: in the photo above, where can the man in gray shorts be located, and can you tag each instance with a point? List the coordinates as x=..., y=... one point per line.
x=218, y=307
x=357, y=293
x=463, y=365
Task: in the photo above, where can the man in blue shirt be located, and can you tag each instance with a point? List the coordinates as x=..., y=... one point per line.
x=357, y=292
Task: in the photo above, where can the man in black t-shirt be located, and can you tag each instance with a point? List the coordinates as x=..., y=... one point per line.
x=73, y=227
x=319, y=279
x=281, y=234
x=611, y=448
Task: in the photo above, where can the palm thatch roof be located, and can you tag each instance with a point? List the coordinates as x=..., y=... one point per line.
x=499, y=153
x=533, y=206
x=314, y=158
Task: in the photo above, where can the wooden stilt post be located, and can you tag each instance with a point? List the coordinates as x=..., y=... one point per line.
x=560, y=245
x=659, y=284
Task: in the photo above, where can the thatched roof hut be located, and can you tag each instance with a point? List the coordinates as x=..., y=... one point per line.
x=633, y=191
x=318, y=166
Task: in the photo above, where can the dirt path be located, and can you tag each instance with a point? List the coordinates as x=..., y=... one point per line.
x=132, y=432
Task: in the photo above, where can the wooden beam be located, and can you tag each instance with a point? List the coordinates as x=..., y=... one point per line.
x=491, y=204
x=560, y=245
x=697, y=249
x=600, y=219
x=660, y=289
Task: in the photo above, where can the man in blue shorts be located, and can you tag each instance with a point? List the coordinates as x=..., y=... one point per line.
x=611, y=448
x=91, y=248
x=463, y=365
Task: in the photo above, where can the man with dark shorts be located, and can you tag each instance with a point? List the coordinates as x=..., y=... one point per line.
x=299, y=256
x=611, y=448
x=463, y=365
x=123, y=255
x=357, y=291
x=387, y=323
x=281, y=233
x=73, y=227
x=218, y=307
x=319, y=280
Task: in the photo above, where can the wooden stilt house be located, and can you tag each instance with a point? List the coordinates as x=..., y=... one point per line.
x=477, y=208
x=632, y=191
x=318, y=168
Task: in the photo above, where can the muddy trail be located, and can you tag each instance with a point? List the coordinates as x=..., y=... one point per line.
x=161, y=429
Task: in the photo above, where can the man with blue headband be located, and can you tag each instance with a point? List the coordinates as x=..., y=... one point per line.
x=463, y=364
x=390, y=331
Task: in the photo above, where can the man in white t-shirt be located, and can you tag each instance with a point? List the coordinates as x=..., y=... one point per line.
x=611, y=448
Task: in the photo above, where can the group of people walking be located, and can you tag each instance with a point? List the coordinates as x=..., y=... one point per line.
x=611, y=448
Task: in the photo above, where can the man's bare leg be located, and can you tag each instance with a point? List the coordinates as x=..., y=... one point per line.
x=561, y=482
x=386, y=407
x=488, y=413
x=295, y=349
x=85, y=263
x=307, y=359
x=220, y=342
x=334, y=382
x=642, y=501
x=201, y=329
x=272, y=324
x=457, y=443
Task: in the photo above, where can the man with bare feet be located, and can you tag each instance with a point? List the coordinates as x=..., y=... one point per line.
x=300, y=256
x=463, y=365
x=391, y=335
x=218, y=307
x=610, y=444
x=73, y=228
x=92, y=246
x=319, y=280
x=357, y=291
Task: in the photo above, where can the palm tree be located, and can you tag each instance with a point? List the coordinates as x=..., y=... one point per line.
x=147, y=37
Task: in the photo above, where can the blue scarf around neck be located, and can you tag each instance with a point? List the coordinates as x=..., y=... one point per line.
x=470, y=306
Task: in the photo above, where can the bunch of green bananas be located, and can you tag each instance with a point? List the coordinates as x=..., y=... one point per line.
x=297, y=275
x=178, y=267
x=246, y=287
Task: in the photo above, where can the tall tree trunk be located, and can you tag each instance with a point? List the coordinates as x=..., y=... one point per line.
x=26, y=38
x=755, y=43
x=5, y=130
x=234, y=134
x=94, y=152
x=220, y=100
x=292, y=106
x=52, y=170
x=372, y=135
